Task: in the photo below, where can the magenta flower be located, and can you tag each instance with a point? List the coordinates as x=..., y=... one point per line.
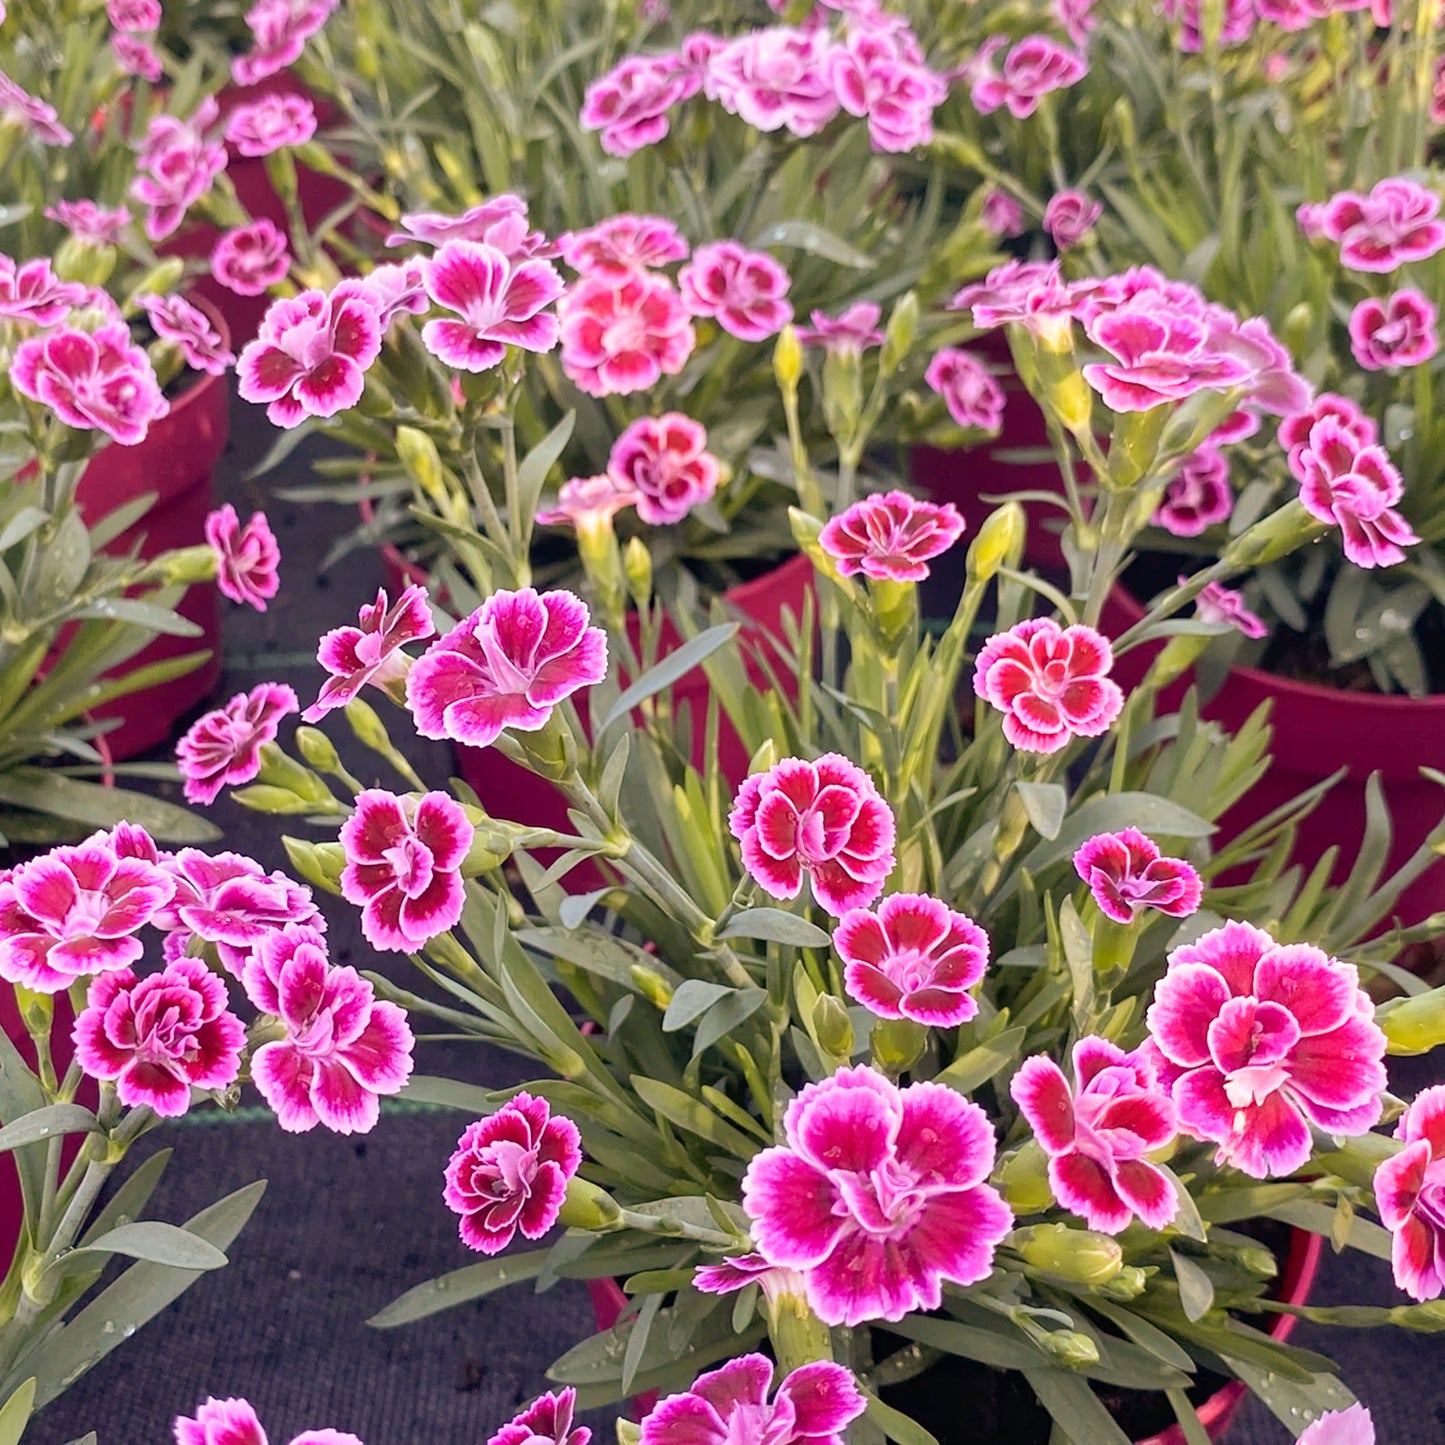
x=848, y=334
x=620, y=245
x=822, y=820
x=878, y=1196
x=1341, y=1427
x=1197, y=496
x=1410, y=1196
x=86, y=221
x=880, y=76
x=134, y=56
x=1355, y=488
x=743, y=289
x=279, y=32
x=500, y=222
x=625, y=337
x=1259, y=1040
x=342, y=1048
x=174, y=319
x=1294, y=431
x=1032, y=293
x=546, y=1421
x=814, y=1405
x=1002, y=216
x=735, y=1272
x=134, y=16
x=664, y=463
x=506, y=666
x=1127, y=874
x=76, y=911
x=247, y=557
x=776, y=79
x=1097, y=1133
x=1397, y=222
x=248, y=259
x=890, y=536
x=161, y=1036
x=175, y=167
x=35, y=117
x=915, y=958
x=235, y=1422
x=1221, y=604
x=395, y=288
x=1398, y=331
x=1069, y=217
x=1034, y=68
x=1077, y=19
x=510, y=1173
x=310, y=355
x=270, y=123
x=973, y=398
x=1235, y=24
x=590, y=503
x=630, y=105
x=371, y=651
x=403, y=857
x=1050, y=682
x=223, y=748
x=500, y=303
x=32, y=293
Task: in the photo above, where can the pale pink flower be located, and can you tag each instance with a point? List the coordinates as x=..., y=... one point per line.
x=31, y=292
x=878, y=74
x=161, y=1036
x=590, y=503
x=973, y=398
x=1224, y=605
x=1397, y=222
x=1098, y=1132
x=664, y=462
x=824, y=821
x=620, y=245
x=1398, y=331
x=915, y=958
x=174, y=319
x=500, y=302
x=623, y=337
x=223, y=748
x=510, y=1173
x=1050, y=682
x=1294, y=431
x=878, y=1196
x=1002, y=216
x=1258, y=1041
x=403, y=857
x=248, y=259
x=1126, y=873
x=36, y=117
x=247, y=557
x=1197, y=496
x=776, y=78
x=175, y=167
x=371, y=651
x=1077, y=19
x=137, y=57
x=279, y=32
x=814, y=1405
x=270, y=123
x=506, y=666
x=546, y=1421
x=1310, y=217
x=631, y=104
x=744, y=290
x=235, y=1422
x=342, y=1048
x=76, y=911
x=1341, y=1427
x=1032, y=69
x=848, y=334
x=395, y=288
x=890, y=536
x=499, y=222
x=1069, y=217
x=135, y=16
x=90, y=221
x=94, y=381
x=1236, y=23
x=1410, y=1197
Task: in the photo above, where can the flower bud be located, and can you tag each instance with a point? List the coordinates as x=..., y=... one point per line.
x=832, y=1027
x=1134, y=447
x=1414, y=1025
x=281, y=771
x=85, y=261
x=1127, y=1285
x=1272, y=537
x=999, y=543
x=36, y=1010
x=367, y=725
x=1294, y=333
x=419, y=455
x=1083, y=1256
x=898, y=339
x=627, y=1432
x=266, y=798
x=651, y=985
x=1024, y=1179
x=788, y=359
x=183, y=566
x=160, y=280
x=1427, y=1318
x=1257, y=1260
x=843, y=394
x=490, y=849
x=1072, y=1350
x=637, y=569
x=318, y=750
x=585, y=1206
x=898, y=1044
x=320, y=864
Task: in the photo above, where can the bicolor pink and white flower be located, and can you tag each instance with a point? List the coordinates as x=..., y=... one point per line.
x=822, y=821
x=268, y=124
x=622, y=244
x=395, y=288
x=1197, y=496
x=546, y=1421
x=223, y=748
x=1396, y=223
x=174, y=319
x=247, y=558
x=1050, y=682
x=1032, y=69
x=499, y=222
x=738, y=1271
x=1224, y=605
x=745, y=291
x=890, y=537
x=137, y=17
x=622, y=337
x=878, y=1196
x=509, y=1173
x=159, y=1037
x=279, y=32
x=36, y=117
x=1127, y=874
x=1069, y=217
x=175, y=166
x=1353, y=1426
x=1031, y=293
x=235, y=1422
x=1410, y=1196
x=664, y=462
x=879, y=75
x=89, y=221
x=248, y=259
x=1236, y=22
x=1398, y=331
x=1294, y=431
x=137, y=57
x=590, y=503
x=1259, y=1040
x=500, y=303
x=915, y=958
x=850, y=333
x=31, y=292
x=777, y=78
x=506, y=666
x=1097, y=1132
x=403, y=862
x=973, y=397
x=631, y=105
x=371, y=652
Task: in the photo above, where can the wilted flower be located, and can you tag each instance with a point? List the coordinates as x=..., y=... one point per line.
x=1398, y=331
x=1410, y=1195
x=371, y=651
x=890, y=536
x=248, y=259
x=223, y=748
x=1397, y=222
x=501, y=303
x=267, y=124
x=174, y=319
x=1218, y=603
x=1127, y=874
x=1197, y=496
x=623, y=337
x=972, y=396
x=96, y=380
x=664, y=462
x=247, y=557
x=744, y=290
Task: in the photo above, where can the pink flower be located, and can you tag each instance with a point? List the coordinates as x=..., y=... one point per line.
x=175, y=167
x=1259, y=1040
x=814, y=1405
x=135, y=16
x=403, y=857
x=1310, y=217
x=371, y=651
x=822, y=820
x=310, y=354
x=35, y=117
x=1341, y=1427
x=878, y=75
x=342, y=1048
x=161, y=1036
x=1397, y=222
x=743, y=289
x=1077, y=19
x=76, y=911
x=279, y=32
x=590, y=503
x=776, y=78
x=270, y=123
x=1235, y=24
x=630, y=105
x=546, y=1421
x=395, y=288
x=973, y=398
x=1002, y=216
x=620, y=245
x=500, y=222
x=248, y=259
x=1410, y=1196
x=735, y=1272
x=913, y=959
x=88, y=221
x=1197, y=496
x=246, y=557
x=1221, y=604
x=1127, y=874
x=1050, y=682
x=174, y=319
x=623, y=338
x=1069, y=217
x=1097, y=1133
x=96, y=380
x=500, y=302
x=890, y=537
x=1032, y=293
x=510, y=1173
x=851, y=333
x=134, y=56
x=1031, y=70
x=32, y=293
x=664, y=462
x=234, y=1422
x=1398, y=331
x=1355, y=488
x=878, y=1196
x=224, y=747
x=1294, y=431
x=506, y=666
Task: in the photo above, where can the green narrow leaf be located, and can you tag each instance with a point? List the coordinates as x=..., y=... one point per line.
x=459, y=1287
x=1045, y=804
x=676, y=665
x=692, y=999
x=1075, y=1407
x=637, y=1340
x=47, y=1123
x=726, y=1015
x=1196, y=1289
x=690, y=1114
x=535, y=466
x=16, y=1414
x=158, y=1242
x=776, y=925
x=1188, y=1417
x=450, y=1094
x=897, y=1426
x=975, y=1068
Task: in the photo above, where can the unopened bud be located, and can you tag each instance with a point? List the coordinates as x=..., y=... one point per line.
x=1127, y=1285
x=320, y=864
x=1072, y=1350
x=36, y=1010
x=318, y=750
x=1294, y=332
x=1024, y=1178
x=627, y=1432
x=367, y=725
x=898, y=1044
x=651, y=985
x=1257, y=1260
x=183, y=566
x=832, y=1027
x=1272, y=537
x=160, y=280
x=999, y=543
x=265, y=798
x=637, y=569
x=423, y=463
x=1414, y=1025
x=490, y=849
x=898, y=339
x=1425, y=1319
x=88, y=262
x=1134, y=447
x=788, y=358
x=281, y=771
x=585, y=1206
x=843, y=393
x=1081, y=1255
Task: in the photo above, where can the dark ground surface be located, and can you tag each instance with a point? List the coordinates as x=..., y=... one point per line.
x=346, y=1225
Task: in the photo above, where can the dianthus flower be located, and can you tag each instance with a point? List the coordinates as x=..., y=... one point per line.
x=972, y=396
x=546, y=1421
x=235, y=1422
x=1126, y=873
x=620, y=245
x=223, y=748
x=623, y=337
x=501, y=303
x=1197, y=496
x=1353, y=1426
x=1397, y=222
x=500, y=222
x=36, y=117
x=665, y=463
x=371, y=651
x=1069, y=217
x=1398, y=331
x=1410, y=1195
x=590, y=503
x=848, y=334
x=744, y=290
x=890, y=536
x=134, y=56
x=1221, y=604
x=135, y=16
x=279, y=32
x=1032, y=293
x=1002, y=216
x=175, y=166
x=630, y=106
x=270, y=123
x=395, y=288
x=777, y=79
x=876, y=75
x=1032, y=69
x=247, y=557
x=174, y=319
x=88, y=221
x=32, y=293
x=1294, y=431
x=248, y=259
x=1236, y=23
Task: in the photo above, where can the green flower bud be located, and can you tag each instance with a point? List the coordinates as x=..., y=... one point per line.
x=1272, y=537
x=84, y=261
x=280, y=771
x=898, y=1044
x=1072, y=1350
x=999, y=543
x=1081, y=1255
x=1427, y=1318
x=1127, y=1285
x=264, y=798
x=832, y=1027
x=651, y=985
x=318, y=750
x=36, y=1010
x=160, y=280
x=320, y=864
x=418, y=454
x=183, y=566
x=490, y=849
x=367, y=725
x=628, y=1433
x=788, y=358
x=1414, y=1025
x=637, y=569
x=585, y=1206
x=1024, y=1179
x=898, y=339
